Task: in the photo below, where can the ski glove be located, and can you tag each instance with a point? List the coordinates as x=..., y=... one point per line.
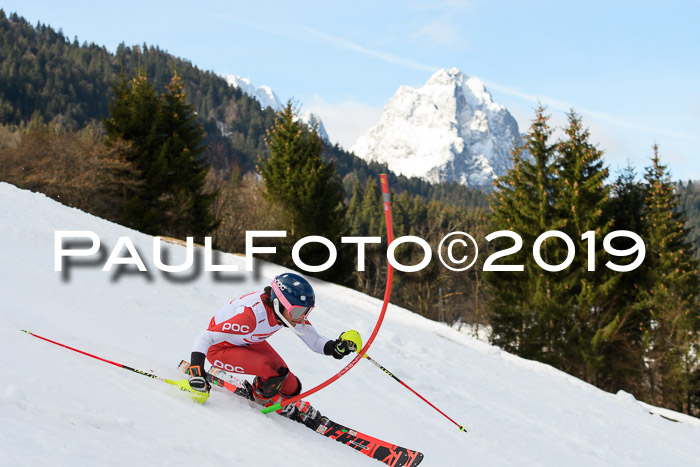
x=347, y=343
x=198, y=379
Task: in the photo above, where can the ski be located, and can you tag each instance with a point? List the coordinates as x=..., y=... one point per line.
x=390, y=454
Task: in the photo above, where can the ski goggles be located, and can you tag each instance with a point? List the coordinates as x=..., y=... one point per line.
x=295, y=311
x=298, y=312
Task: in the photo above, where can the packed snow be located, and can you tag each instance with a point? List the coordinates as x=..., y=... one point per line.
x=60, y=408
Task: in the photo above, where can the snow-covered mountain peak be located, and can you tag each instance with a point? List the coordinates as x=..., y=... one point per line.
x=268, y=98
x=455, y=79
x=450, y=129
x=264, y=94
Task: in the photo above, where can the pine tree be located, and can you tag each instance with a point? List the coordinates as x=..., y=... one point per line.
x=165, y=145
x=352, y=215
x=624, y=357
x=670, y=295
x=372, y=211
x=365, y=217
x=308, y=192
x=412, y=216
x=133, y=113
x=583, y=203
x=526, y=317
x=690, y=204
x=187, y=207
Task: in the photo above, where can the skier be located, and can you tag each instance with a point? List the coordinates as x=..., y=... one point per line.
x=235, y=341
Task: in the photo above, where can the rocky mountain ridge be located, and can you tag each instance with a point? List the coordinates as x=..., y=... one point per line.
x=450, y=129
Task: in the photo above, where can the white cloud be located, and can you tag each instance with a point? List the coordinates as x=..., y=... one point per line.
x=346, y=121
x=440, y=31
x=384, y=56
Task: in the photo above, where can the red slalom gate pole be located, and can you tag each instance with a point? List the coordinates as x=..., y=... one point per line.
x=461, y=427
x=386, y=199
x=183, y=384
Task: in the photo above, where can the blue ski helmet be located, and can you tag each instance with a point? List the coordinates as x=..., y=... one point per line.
x=293, y=293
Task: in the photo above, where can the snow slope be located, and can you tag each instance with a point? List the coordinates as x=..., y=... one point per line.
x=61, y=408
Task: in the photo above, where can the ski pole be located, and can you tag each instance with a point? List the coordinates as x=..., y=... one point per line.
x=183, y=384
x=461, y=427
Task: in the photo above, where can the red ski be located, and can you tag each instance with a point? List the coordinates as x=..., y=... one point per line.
x=389, y=454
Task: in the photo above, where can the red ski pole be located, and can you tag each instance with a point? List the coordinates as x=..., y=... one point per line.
x=183, y=384
x=461, y=427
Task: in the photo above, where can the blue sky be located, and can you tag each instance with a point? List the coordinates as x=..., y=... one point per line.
x=631, y=69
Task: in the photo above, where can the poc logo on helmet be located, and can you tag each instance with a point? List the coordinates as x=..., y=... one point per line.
x=281, y=285
x=229, y=368
x=235, y=327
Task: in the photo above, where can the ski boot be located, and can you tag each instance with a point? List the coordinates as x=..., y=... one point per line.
x=267, y=393
x=302, y=412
